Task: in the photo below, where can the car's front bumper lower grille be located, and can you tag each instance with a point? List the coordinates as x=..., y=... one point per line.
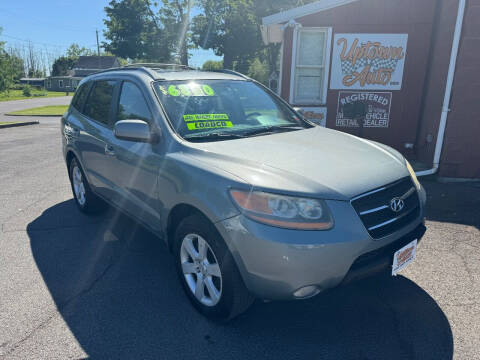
x=376, y=213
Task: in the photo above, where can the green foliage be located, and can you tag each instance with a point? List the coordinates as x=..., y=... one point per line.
x=212, y=65
x=174, y=16
x=7, y=69
x=259, y=71
x=27, y=90
x=229, y=27
x=62, y=65
x=75, y=51
x=232, y=29
x=133, y=31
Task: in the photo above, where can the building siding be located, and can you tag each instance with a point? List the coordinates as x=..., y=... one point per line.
x=380, y=16
x=416, y=108
x=461, y=151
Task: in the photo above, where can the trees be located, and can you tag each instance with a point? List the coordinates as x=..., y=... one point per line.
x=75, y=51
x=174, y=17
x=133, y=31
x=63, y=64
x=136, y=31
x=7, y=69
x=212, y=65
x=230, y=28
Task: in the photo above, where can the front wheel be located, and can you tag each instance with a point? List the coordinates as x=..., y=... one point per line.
x=207, y=270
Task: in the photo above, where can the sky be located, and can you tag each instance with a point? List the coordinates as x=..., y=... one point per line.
x=53, y=25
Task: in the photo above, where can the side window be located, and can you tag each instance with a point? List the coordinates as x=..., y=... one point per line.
x=80, y=97
x=99, y=103
x=132, y=105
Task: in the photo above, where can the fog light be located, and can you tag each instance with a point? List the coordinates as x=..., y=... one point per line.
x=306, y=292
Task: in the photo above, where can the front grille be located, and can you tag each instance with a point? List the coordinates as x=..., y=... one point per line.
x=376, y=214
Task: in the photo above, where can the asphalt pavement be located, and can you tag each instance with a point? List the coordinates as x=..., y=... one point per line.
x=9, y=106
x=73, y=286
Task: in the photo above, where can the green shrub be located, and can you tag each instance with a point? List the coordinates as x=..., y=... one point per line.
x=211, y=65
x=27, y=90
x=258, y=70
x=16, y=87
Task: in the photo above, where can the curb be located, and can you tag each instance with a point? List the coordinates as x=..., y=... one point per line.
x=32, y=115
x=24, y=123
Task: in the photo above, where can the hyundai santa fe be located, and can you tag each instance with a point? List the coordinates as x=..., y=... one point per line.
x=253, y=200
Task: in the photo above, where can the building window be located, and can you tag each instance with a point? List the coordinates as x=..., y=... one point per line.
x=60, y=83
x=311, y=50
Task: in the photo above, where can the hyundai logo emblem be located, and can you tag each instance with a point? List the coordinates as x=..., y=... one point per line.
x=397, y=204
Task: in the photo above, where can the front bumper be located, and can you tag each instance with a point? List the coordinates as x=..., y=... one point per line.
x=275, y=263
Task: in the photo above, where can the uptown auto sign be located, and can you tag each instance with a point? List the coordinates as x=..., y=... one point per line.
x=368, y=61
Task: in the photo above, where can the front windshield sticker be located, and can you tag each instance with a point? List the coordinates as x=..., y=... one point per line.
x=173, y=90
x=207, y=121
x=207, y=89
x=191, y=89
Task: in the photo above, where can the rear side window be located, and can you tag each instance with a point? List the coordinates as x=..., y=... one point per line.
x=132, y=105
x=99, y=103
x=80, y=96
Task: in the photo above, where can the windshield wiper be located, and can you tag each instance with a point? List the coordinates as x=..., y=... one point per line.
x=264, y=130
x=214, y=135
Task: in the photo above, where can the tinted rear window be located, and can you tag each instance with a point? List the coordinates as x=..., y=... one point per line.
x=99, y=104
x=80, y=96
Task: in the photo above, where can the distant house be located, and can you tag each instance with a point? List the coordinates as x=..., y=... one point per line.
x=86, y=65
x=40, y=82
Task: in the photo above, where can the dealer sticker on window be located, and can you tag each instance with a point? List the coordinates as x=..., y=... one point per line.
x=404, y=256
x=191, y=89
x=207, y=121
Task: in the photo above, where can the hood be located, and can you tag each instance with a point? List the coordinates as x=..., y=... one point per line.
x=317, y=161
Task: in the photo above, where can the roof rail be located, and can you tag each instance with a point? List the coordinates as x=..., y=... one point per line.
x=151, y=69
x=231, y=72
x=159, y=66
x=148, y=71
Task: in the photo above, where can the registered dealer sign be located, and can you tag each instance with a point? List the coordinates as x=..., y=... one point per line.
x=363, y=108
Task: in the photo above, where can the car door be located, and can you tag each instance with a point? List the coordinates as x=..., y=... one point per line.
x=135, y=164
x=95, y=132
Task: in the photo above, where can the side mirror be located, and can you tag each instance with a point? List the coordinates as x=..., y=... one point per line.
x=133, y=130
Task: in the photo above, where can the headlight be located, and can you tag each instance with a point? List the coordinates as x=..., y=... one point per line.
x=413, y=176
x=284, y=211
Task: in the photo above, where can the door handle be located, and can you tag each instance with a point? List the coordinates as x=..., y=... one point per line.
x=109, y=150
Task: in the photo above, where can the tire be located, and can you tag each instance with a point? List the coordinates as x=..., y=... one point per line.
x=231, y=296
x=87, y=202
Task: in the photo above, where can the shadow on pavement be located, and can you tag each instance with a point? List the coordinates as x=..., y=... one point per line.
x=115, y=286
x=453, y=202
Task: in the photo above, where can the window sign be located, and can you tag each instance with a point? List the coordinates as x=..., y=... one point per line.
x=366, y=109
x=317, y=115
x=368, y=61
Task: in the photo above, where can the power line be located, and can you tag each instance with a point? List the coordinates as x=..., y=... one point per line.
x=34, y=42
x=44, y=44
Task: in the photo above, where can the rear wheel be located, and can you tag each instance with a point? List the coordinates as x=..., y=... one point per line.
x=207, y=270
x=85, y=199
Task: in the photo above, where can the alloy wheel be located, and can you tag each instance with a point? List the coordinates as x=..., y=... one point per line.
x=78, y=186
x=201, y=270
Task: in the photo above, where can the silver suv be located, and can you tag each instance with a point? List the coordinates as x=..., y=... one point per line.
x=253, y=200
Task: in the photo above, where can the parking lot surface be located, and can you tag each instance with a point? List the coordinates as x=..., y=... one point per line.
x=74, y=286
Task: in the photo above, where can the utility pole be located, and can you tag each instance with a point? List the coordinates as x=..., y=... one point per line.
x=98, y=45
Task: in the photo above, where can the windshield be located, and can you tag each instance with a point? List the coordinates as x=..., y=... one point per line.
x=202, y=108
